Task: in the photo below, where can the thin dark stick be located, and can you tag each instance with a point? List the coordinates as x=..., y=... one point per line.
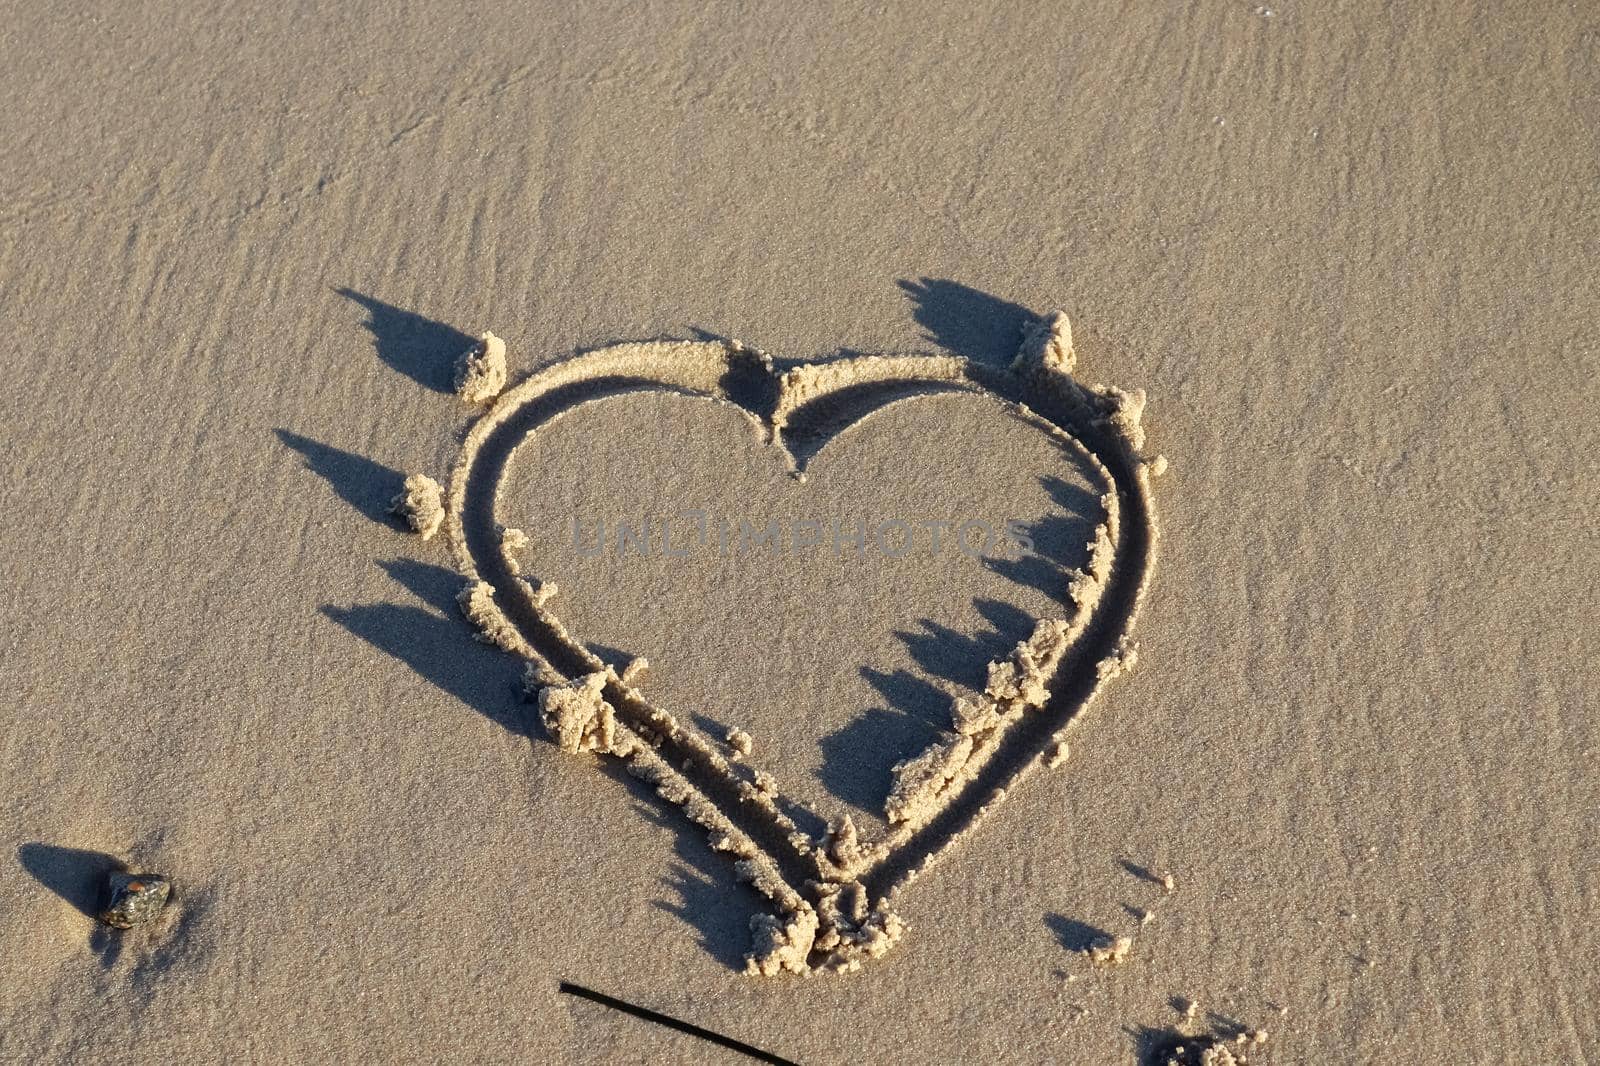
x=673, y=1023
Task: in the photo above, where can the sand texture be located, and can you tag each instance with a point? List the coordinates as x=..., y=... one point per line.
x=636, y=644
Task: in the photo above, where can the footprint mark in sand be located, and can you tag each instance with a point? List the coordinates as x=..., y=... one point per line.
x=831, y=896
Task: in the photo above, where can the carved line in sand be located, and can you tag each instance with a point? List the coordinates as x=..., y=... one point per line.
x=831, y=895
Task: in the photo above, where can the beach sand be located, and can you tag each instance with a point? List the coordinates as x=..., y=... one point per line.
x=1347, y=254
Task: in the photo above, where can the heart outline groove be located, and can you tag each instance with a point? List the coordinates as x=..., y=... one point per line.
x=831, y=896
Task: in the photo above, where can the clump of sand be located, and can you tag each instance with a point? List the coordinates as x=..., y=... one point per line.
x=843, y=844
x=1203, y=1053
x=1214, y=1050
x=421, y=504
x=1109, y=950
x=481, y=370
x=852, y=931
x=1048, y=343
x=919, y=782
x=512, y=542
x=477, y=604
x=778, y=946
x=577, y=716
x=1018, y=683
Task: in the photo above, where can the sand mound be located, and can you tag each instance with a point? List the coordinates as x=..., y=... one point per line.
x=481, y=371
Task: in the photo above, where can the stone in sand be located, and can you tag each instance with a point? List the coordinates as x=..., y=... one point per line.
x=135, y=899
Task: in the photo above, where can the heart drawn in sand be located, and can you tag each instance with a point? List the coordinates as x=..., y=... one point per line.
x=831, y=895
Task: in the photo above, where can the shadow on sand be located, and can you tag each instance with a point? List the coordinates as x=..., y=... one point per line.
x=420, y=348
x=967, y=321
